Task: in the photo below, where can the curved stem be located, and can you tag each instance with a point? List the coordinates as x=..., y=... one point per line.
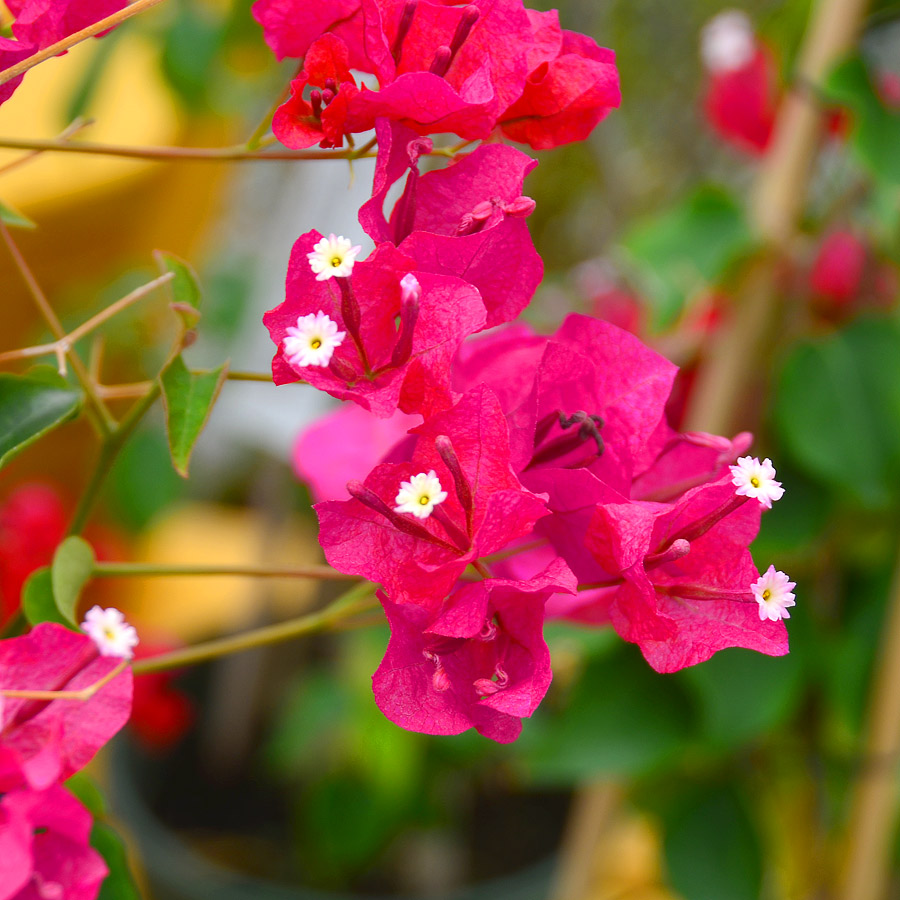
x=354, y=601
x=83, y=694
x=61, y=46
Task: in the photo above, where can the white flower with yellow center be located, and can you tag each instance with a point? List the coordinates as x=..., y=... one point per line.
x=313, y=341
x=420, y=495
x=332, y=257
x=108, y=629
x=773, y=593
x=727, y=41
x=756, y=479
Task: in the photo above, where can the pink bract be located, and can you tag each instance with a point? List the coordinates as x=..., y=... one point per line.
x=345, y=444
x=44, y=22
x=44, y=847
x=481, y=662
x=45, y=742
x=423, y=565
x=418, y=381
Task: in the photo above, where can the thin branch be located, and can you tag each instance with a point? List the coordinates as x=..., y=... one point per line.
x=103, y=419
x=351, y=603
x=139, y=388
x=64, y=345
x=66, y=43
x=82, y=695
x=77, y=125
x=208, y=154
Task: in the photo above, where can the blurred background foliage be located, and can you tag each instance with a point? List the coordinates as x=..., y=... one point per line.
x=722, y=776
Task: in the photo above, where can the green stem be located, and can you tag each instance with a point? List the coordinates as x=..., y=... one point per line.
x=352, y=602
x=109, y=450
x=151, y=570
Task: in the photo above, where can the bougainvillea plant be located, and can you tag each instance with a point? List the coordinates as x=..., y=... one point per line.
x=489, y=477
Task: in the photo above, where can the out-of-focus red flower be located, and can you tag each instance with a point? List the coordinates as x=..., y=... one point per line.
x=742, y=93
x=32, y=523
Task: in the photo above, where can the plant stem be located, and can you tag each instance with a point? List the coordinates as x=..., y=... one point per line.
x=208, y=154
x=139, y=388
x=109, y=449
x=76, y=126
x=780, y=191
x=116, y=18
x=83, y=694
x=352, y=602
x=866, y=866
x=151, y=570
x=103, y=419
x=64, y=344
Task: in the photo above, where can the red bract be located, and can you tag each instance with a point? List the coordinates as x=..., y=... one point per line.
x=487, y=508
x=379, y=365
x=44, y=22
x=12, y=52
x=45, y=852
x=741, y=103
x=43, y=742
x=684, y=574
x=480, y=662
x=466, y=220
x=32, y=523
x=572, y=85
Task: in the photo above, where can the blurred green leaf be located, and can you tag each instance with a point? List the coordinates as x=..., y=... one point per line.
x=13, y=218
x=191, y=46
x=837, y=409
x=712, y=851
x=72, y=567
x=742, y=694
x=119, y=884
x=622, y=719
x=29, y=408
x=184, y=287
x=88, y=792
x=875, y=130
x=188, y=398
x=686, y=249
x=142, y=482
x=38, y=603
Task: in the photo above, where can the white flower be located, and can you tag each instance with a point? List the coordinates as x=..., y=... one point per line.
x=773, y=593
x=727, y=41
x=110, y=632
x=756, y=479
x=313, y=341
x=420, y=495
x=332, y=257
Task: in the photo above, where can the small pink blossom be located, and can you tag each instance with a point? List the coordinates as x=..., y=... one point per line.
x=773, y=592
x=756, y=479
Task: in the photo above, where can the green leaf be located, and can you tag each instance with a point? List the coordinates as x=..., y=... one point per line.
x=119, y=884
x=188, y=398
x=88, y=792
x=38, y=602
x=622, y=719
x=184, y=287
x=72, y=567
x=712, y=851
x=29, y=408
x=837, y=410
x=875, y=129
x=13, y=218
x=686, y=249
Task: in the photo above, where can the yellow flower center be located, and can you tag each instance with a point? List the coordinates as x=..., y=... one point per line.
x=336, y=261
x=315, y=343
x=424, y=500
x=767, y=594
x=754, y=481
x=109, y=634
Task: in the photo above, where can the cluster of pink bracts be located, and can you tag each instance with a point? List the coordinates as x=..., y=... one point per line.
x=515, y=476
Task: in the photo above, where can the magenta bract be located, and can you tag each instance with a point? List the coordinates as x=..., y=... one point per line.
x=45, y=742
